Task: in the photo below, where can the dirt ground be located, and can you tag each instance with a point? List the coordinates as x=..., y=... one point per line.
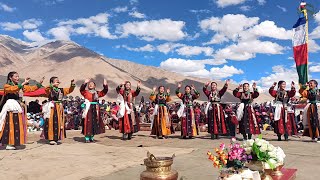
x=114, y=159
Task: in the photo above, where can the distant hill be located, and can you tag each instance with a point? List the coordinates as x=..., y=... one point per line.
x=68, y=60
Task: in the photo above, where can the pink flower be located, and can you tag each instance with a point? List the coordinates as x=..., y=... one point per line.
x=222, y=146
x=237, y=145
x=233, y=139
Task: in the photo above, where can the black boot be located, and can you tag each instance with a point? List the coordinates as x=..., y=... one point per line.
x=244, y=137
x=124, y=136
x=286, y=138
x=129, y=136
x=217, y=136
x=249, y=136
x=184, y=137
x=212, y=136
x=279, y=137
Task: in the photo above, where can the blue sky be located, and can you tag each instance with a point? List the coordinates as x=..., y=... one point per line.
x=244, y=40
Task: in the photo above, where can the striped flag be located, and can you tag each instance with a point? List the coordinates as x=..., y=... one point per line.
x=300, y=45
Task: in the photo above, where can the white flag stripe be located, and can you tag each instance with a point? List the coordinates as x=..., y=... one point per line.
x=299, y=37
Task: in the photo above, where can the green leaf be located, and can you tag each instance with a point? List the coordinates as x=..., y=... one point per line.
x=260, y=136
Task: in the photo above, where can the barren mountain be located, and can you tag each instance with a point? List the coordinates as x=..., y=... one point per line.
x=68, y=61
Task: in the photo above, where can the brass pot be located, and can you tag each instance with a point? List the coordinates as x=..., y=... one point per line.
x=259, y=166
x=275, y=172
x=158, y=168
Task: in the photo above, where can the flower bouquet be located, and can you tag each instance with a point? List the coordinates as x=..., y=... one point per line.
x=230, y=160
x=262, y=150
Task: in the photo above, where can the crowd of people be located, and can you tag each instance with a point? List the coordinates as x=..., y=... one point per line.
x=57, y=114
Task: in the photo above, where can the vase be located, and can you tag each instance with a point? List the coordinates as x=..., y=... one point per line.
x=158, y=168
x=275, y=172
x=259, y=166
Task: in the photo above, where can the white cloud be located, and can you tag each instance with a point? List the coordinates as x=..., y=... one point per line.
x=245, y=8
x=247, y=50
x=225, y=3
x=194, y=50
x=217, y=39
x=34, y=36
x=26, y=24
x=97, y=25
x=270, y=29
x=146, y=48
x=245, y=33
x=137, y=14
x=224, y=72
x=134, y=2
x=120, y=9
x=6, y=8
x=262, y=2
x=181, y=65
x=279, y=72
x=315, y=68
x=283, y=9
x=168, y=47
x=315, y=34
x=31, y=23
x=230, y=25
x=163, y=29
x=197, y=68
x=61, y=32
x=8, y=26
x=313, y=47
x=196, y=11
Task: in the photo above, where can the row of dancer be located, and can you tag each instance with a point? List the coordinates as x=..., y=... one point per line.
x=13, y=112
x=246, y=119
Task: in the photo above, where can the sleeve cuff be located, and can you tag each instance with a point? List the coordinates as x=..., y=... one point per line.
x=20, y=86
x=73, y=85
x=39, y=85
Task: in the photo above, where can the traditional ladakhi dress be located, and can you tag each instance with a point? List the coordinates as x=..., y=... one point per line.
x=92, y=123
x=13, y=118
x=128, y=123
x=217, y=124
x=248, y=123
x=311, y=113
x=284, y=122
x=161, y=123
x=189, y=126
x=54, y=127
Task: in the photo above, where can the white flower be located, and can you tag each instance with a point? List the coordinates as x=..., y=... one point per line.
x=264, y=148
x=258, y=142
x=250, y=142
x=270, y=147
x=248, y=150
x=272, y=162
x=280, y=155
x=272, y=154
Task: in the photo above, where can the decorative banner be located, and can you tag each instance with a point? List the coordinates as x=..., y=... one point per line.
x=300, y=44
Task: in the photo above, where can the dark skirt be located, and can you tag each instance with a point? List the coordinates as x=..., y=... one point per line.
x=217, y=123
x=54, y=129
x=13, y=132
x=93, y=123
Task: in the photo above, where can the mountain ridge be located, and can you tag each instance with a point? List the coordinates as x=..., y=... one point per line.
x=69, y=60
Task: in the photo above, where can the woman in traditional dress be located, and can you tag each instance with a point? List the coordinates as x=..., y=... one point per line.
x=54, y=127
x=217, y=124
x=128, y=122
x=248, y=122
x=92, y=123
x=284, y=124
x=13, y=118
x=161, y=123
x=311, y=111
x=189, y=127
